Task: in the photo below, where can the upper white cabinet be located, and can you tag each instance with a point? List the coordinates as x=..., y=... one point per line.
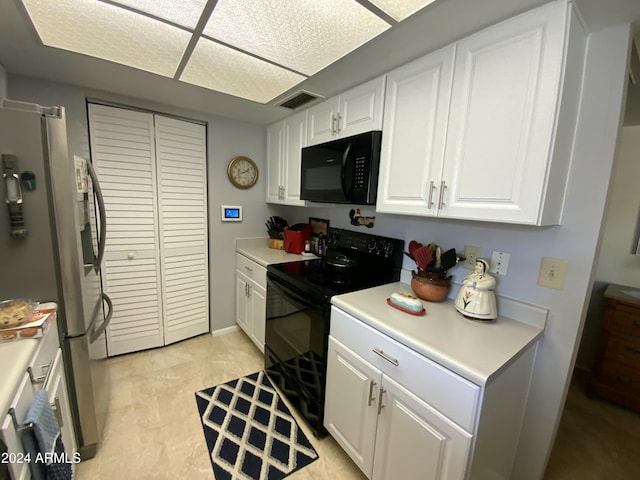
x=415, y=125
x=355, y=111
x=502, y=151
x=285, y=140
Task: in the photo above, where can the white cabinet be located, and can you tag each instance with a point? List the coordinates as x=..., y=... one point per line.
x=398, y=414
x=355, y=111
x=44, y=371
x=285, y=140
x=415, y=125
x=251, y=299
x=502, y=152
x=392, y=430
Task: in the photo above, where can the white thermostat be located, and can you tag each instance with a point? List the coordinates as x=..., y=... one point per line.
x=229, y=213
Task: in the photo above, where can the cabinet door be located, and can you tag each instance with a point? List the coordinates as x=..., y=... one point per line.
x=415, y=119
x=275, y=155
x=350, y=412
x=321, y=124
x=295, y=140
x=414, y=441
x=502, y=118
x=360, y=109
x=182, y=219
x=258, y=300
x=123, y=150
x=242, y=301
x=58, y=397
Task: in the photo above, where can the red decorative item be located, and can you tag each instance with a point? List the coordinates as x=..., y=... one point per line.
x=423, y=257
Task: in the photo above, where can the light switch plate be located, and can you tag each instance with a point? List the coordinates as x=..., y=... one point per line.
x=553, y=272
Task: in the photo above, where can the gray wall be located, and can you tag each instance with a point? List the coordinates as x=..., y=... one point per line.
x=616, y=263
x=225, y=139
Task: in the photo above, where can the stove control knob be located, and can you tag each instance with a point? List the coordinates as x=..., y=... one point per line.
x=388, y=249
x=371, y=246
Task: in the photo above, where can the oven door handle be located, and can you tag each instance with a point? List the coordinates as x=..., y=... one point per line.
x=291, y=293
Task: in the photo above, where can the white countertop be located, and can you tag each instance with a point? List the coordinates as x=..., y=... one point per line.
x=474, y=349
x=257, y=249
x=15, y=356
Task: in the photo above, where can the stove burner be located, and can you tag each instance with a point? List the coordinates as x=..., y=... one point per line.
x=341, y=261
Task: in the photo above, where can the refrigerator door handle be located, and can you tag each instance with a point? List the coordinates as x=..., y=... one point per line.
x=97, y=191
x=94, y=333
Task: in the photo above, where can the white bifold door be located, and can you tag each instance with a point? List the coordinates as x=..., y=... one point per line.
x=152, y=170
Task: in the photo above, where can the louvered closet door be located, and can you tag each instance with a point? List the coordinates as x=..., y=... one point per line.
x=123, y=151
x=182, y=194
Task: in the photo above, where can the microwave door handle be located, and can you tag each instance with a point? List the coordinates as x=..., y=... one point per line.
x=345, y=156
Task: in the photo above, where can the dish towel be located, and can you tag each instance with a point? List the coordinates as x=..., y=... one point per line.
x=44, y=442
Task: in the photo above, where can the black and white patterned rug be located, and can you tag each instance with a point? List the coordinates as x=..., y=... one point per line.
x=250, y=432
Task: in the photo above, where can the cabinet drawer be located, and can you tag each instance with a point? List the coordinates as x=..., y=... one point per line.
x=447, y=392
x=620, y=376
x=624, y=350
x=624, y=319
x=44, y=356
x=19, y=408
x=251, y=269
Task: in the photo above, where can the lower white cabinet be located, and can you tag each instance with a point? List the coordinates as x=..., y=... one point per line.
x=251, y=299
x=45, y=371
x=398, y=414
x=387, y=430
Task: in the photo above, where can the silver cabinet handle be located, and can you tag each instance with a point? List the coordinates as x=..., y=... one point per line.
x=338, y=118
x=42, y=378
x=57, y=409
x=371, y=397
x=443, y=185
x=432, y=187
x=248, y=269
x=389, y=359
x=380, y=405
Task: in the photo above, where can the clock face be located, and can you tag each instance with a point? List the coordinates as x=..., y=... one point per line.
x=242, y=172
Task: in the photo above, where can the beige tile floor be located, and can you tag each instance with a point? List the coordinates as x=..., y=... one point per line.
x=153, y=429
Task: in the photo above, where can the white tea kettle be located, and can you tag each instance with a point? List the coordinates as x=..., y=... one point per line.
x=476, y=298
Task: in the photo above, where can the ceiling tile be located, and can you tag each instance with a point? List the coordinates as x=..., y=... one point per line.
x=303, y=35
x=400, y=9
x=101, y=30
x=224, y=69
x=185, y=12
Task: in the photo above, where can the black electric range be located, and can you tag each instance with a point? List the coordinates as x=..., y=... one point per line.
x=299, y=310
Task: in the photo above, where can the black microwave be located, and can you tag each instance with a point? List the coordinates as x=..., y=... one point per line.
x=342, y=171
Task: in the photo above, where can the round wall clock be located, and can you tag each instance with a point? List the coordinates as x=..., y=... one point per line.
x=242, y=172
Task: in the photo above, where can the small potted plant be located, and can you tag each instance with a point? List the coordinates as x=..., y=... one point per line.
x=430, y=281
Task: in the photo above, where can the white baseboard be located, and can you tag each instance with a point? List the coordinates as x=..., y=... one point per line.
x=224, y=331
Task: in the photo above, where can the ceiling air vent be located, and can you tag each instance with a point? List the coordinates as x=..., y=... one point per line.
x=298, y=99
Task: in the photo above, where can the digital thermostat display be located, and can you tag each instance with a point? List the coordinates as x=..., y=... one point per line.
x=231, y=213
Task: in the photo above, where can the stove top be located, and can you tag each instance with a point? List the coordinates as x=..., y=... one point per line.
x=353, y=261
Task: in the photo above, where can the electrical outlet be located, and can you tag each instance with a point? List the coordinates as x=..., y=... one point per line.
x=553, y=272
x=471, y=253
x=500, y=263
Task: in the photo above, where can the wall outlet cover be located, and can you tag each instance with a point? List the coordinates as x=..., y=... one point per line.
x=471, y=253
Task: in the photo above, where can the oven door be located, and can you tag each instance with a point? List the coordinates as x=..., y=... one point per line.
x=297, y=330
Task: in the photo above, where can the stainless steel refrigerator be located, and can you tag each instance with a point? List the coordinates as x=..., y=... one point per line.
x=52, y=230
